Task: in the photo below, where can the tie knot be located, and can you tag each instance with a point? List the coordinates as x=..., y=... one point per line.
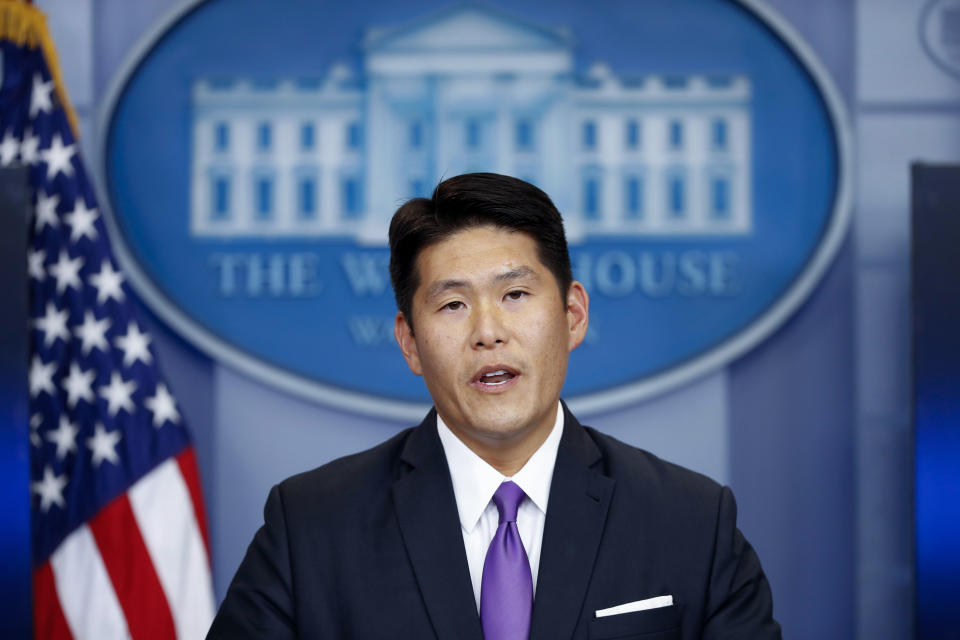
x=508, y=498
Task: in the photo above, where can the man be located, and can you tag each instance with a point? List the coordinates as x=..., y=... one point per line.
x=499, y=516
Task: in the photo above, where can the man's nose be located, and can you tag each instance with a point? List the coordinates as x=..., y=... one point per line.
x=488, y=326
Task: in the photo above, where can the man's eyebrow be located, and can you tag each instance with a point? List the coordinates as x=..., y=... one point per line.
x=516, y=274
x=441, y=286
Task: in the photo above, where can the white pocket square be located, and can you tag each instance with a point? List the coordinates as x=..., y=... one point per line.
x=636, y=605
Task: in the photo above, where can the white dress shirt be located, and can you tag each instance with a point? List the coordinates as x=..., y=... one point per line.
x=475, y=482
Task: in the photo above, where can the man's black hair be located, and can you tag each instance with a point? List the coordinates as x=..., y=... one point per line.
x=474, y=200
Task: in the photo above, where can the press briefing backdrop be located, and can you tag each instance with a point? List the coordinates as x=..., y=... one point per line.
x=716, y=156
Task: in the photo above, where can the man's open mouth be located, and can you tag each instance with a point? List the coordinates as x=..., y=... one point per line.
x=495, y=376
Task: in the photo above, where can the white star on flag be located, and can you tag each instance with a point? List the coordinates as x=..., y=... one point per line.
x=107, y=282
x=35, y=260
x=41, y=376
x=40, y=98
x=81, y=221
x=50, y=489
x=135, y=345
x=53, y=325
x=9, y=148
x=163, y=406
x=92, y=333
x=29, y=147
x=65, y=437
x=79, y=385
x=103, y=445
x=46, y=210
x=58, y=157
x=117, y=394
x=67, y=271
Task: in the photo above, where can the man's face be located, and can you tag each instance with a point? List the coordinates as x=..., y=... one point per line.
x=493, y=333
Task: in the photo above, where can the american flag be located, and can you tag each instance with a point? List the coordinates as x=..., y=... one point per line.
x=120, y=545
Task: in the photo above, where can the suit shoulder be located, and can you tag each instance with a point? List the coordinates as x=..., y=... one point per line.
x=347, y=477
x=639, y=469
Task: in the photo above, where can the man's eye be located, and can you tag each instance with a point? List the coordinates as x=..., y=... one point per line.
x=453, y=306
x=516, y=295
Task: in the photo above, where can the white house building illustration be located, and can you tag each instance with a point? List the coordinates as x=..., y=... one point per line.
x=470, y=89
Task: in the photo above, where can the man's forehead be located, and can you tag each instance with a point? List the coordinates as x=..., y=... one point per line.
x=477, y=251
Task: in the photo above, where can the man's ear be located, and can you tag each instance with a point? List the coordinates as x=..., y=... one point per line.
x=578, y=313
x=408, y=344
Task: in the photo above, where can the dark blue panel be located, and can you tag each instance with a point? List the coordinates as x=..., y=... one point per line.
x=936, y=370
x=14, y=430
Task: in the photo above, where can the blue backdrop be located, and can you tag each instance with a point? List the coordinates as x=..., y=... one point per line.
x=811, y=428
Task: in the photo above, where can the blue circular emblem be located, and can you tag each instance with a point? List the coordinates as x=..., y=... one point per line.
x=254, y=152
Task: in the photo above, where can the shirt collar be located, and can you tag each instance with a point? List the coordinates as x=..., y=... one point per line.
x=475, y=481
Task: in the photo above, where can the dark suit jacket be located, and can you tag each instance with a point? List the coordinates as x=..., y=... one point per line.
x=369, y=546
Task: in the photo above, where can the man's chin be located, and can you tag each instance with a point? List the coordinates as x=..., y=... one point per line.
x=502, y=426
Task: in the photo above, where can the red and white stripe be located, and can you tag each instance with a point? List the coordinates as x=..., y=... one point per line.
x=138, y=569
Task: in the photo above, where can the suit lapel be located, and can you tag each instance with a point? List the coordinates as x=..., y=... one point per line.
x=430, y=527
x=576, y=514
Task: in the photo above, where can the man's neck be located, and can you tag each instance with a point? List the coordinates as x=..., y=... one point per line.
x=508, y=454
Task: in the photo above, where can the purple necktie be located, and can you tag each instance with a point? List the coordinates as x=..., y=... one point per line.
x=506, y=593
